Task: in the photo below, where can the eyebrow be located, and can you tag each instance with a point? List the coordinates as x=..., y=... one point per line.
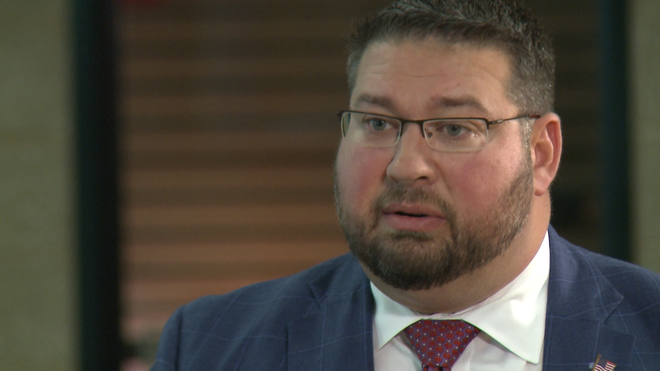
x=436, y=102
x=457, y=102
x=381, y=101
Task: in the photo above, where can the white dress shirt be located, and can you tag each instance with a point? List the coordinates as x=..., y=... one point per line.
x=512, y=324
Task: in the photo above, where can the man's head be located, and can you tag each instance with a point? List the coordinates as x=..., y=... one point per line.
x=497, y=23
x=419, y=218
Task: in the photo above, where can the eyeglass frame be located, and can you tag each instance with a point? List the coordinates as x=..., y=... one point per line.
x=421, y=123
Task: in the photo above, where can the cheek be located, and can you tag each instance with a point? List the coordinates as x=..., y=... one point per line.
x=470, y=185
x=476, y=184
x=360, y=175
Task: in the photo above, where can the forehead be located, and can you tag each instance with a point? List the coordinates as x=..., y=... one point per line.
x=432, y=75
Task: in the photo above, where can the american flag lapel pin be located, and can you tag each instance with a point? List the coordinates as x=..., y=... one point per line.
x=603, y=365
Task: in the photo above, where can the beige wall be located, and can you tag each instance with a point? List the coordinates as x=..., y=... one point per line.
x=37, y=260
x=645, y=131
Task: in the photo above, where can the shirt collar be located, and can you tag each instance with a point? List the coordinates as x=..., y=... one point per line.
x=514, y=316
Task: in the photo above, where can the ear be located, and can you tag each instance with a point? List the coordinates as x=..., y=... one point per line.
x=545, y=147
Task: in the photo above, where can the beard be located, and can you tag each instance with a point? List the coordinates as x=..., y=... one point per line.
x=409, y=260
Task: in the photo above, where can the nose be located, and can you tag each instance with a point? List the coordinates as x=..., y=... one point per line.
x=413, y=158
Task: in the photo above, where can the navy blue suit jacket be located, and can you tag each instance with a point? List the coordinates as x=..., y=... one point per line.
x=321, y=319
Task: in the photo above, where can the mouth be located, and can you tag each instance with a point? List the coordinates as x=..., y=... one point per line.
x=412, y=210
x=417, y=218
x=411, y=215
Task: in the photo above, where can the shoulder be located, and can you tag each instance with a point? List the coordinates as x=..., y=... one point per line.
x=639, y=288
x=574, y=266
x=572, y=260
x=218, y=330
x=290, y=295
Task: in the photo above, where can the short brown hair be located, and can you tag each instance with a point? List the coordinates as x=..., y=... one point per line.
x=499, y=23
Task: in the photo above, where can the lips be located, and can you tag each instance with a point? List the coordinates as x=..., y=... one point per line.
x=415, y=218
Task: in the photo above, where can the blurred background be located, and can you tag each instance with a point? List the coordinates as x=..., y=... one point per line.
x=155, y=151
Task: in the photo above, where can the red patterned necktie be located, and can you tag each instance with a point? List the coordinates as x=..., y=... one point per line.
x=438, y=344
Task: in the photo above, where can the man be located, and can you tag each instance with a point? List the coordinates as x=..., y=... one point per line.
x=442, y=190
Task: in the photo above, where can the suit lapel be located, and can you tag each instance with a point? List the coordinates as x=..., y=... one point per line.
x=338, y=335
x=580, y=300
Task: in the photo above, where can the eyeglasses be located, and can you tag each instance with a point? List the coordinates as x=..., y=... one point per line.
x=464, y=134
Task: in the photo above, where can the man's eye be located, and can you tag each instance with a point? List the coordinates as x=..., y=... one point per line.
x=455, y=130
x=377, y=124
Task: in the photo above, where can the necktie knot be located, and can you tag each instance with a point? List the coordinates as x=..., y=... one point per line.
x=438, y=344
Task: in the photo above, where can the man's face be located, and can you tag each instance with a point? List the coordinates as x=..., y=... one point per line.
x=415, y=217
